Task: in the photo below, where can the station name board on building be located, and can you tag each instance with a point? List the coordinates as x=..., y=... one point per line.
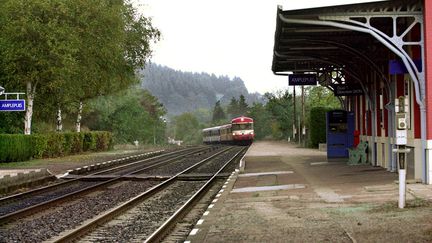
x=12, y=105
x=302, y=79
x=347, y=90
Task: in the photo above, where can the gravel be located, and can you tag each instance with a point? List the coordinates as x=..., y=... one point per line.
x=48, y=224
x=138, y=223
x=32, y=199
x=214, y=165
x=176, y=167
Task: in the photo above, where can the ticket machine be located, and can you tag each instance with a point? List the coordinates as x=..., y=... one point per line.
x=340, y=133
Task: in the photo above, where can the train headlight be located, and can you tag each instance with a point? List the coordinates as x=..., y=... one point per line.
x=233, y=133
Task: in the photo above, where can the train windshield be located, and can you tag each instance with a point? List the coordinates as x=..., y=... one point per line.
x=245, y=126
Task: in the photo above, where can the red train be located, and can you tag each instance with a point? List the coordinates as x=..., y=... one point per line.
x=239, y=131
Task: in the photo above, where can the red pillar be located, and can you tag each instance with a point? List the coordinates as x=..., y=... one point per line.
x=428, y=65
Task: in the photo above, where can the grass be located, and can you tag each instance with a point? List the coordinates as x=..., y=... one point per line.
x=409, y=204
x=88, y=156
x=342, y=210
x=22, y=164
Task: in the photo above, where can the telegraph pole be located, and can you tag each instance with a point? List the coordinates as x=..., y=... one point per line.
x=302, y=124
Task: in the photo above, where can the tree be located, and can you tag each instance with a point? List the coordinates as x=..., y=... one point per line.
x=131, y=115
x=218, y=113
x=187, y=128
x=262, y=120
x=113, y=46
x=36, y=46
x=242, y=105
x=233, y=108
x=280, y=107
x=71, y=50
x=317, y=126
x=320, y=96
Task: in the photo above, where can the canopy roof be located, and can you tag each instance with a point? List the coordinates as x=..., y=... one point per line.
x=334, y=40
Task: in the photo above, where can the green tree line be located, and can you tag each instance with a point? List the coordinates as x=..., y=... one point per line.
x=273, y=119
x=187, y=91
x=72, y=58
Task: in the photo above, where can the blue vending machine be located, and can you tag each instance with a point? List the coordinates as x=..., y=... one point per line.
x=340, y=133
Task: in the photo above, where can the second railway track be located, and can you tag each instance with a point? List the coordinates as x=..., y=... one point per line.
x=72, y=213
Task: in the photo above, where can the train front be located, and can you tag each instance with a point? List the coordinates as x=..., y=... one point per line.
x=242, y=130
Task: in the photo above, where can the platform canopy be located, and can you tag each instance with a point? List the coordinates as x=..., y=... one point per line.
x=347, y=43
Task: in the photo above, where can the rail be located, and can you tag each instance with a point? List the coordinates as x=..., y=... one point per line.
x=107, y=216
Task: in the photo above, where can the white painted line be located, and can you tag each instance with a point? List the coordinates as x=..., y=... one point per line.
x=65, y=174
x=200, y=222
x=211, y=206
x=214, y=200
x=329, y=195
x=269, y=188
x=223, y=186
x=226, y=182
x=237, y=170
x=206, y=213
x=267, y=173
x=188, y=241
x=218, y=195
x=221, y=190
x=193, y=232
x=319, y=163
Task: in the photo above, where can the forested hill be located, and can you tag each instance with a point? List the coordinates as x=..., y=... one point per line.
x=183, y=92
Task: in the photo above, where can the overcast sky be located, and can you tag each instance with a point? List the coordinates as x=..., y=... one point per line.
x=224, y=37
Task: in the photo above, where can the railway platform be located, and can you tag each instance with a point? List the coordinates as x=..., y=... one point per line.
x=290, y=194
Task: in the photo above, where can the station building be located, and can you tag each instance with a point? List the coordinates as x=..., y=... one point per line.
x=383, y=48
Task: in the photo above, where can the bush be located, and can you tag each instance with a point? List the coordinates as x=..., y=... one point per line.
x=77, y=143
x=73, y=143
x=40, y=144
x=20, y=147
x=103, y=141
x=15, y=147
x=317, y=126
x=55, y=145
x=89, y=143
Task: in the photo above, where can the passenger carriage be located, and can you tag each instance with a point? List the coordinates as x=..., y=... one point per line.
x=239, y=131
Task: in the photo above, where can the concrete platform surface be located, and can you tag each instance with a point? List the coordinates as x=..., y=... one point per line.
x=15, y=172
x=290, y=194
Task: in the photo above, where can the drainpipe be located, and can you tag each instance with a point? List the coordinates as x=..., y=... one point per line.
x=391, y=129
x=425, y=178
x=374, y=123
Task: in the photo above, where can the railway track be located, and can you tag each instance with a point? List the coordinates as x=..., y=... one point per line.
x=17, y=206
x=72, y=210
x=152, y=214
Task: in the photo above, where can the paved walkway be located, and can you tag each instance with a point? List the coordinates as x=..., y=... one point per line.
x=289, y=194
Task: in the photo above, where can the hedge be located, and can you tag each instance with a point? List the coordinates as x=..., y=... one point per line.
x=317, y=126
x=19, y=147
x=15, y=148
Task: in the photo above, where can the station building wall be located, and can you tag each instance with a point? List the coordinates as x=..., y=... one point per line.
x=384, y=139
